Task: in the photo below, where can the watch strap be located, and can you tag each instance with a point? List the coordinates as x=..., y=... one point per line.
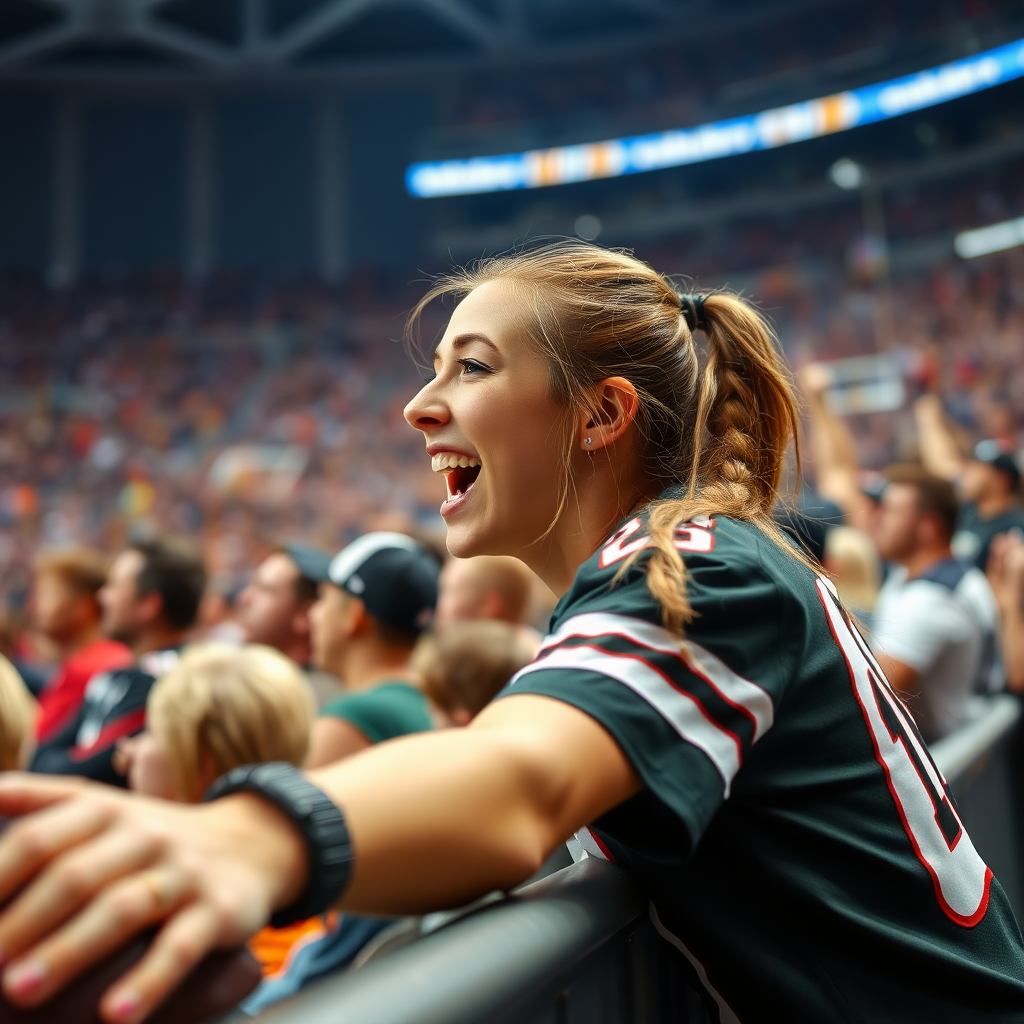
x=317, y=818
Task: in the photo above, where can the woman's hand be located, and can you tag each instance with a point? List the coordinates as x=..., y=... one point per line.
x=96, y=865
x=436, y=819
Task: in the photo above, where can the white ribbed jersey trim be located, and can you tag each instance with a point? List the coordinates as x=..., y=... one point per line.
x=732, y=687
x=681, y=710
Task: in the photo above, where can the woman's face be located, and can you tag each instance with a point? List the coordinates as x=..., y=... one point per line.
x=493, y=431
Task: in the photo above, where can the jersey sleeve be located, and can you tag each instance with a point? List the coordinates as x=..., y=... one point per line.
x=685, y=712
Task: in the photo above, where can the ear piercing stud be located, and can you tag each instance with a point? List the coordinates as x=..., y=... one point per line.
x=589, y=440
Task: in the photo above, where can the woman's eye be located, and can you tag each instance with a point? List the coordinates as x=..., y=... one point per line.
x=429, y=378
x=471, y=366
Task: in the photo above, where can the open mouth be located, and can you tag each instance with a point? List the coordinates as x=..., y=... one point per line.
x=460, y=472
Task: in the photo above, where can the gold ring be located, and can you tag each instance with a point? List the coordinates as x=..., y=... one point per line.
x=157, y=885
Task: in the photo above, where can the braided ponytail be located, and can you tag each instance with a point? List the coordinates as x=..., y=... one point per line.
x=746, y=418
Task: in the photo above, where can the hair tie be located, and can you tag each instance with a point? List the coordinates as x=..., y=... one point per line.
x=692, y=308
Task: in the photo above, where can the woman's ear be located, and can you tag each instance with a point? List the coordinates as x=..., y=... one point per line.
x=613, y=407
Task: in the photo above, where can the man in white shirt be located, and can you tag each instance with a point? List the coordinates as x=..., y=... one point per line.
x=936, y=621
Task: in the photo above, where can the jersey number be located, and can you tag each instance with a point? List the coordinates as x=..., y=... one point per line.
x=960, y=876
x=694, y=537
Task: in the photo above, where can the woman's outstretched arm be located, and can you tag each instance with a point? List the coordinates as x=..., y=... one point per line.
x=435, y=819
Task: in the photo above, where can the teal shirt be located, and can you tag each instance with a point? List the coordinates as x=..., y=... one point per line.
x=386, y=711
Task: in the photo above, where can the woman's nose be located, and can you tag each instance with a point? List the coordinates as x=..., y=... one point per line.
x=426, y=411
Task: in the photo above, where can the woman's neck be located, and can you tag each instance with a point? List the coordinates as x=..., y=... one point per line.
x=593, y=509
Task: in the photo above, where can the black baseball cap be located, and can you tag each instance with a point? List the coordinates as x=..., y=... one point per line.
x=1000, y=456
x=393, y=575
x=312, y=563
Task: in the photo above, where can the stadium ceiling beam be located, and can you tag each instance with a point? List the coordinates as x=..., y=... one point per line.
x=185, y=44
x=461, y=17
x=38, y=44
x=316, y=26
x=506, y=40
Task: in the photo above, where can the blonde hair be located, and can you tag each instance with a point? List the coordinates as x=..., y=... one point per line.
x=237, y=705
x=17, y=718
x=720, y=431
x=467, y=664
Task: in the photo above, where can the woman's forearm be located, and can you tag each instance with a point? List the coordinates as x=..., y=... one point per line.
x=440, y=818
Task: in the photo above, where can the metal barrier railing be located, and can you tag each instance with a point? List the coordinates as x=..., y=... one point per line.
x=578, y=946
x=982, y=762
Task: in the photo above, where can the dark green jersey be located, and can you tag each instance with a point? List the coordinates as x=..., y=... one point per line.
x=799, y=846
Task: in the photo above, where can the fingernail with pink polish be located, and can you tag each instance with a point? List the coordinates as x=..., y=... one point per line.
x=24, y=979
x=125, y=1007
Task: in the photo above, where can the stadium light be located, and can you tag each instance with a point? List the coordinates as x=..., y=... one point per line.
x=588, y=227
x=847, y=173
x=780, y=126
x=994, y=238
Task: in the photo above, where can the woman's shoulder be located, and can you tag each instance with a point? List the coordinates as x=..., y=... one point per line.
x=721, y=555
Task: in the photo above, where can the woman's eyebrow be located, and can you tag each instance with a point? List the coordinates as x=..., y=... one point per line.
x=461, y=340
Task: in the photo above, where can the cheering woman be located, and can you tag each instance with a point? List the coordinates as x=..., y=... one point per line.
x=702, y=712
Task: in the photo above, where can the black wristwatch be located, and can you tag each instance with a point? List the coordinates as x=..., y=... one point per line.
x=317, y=818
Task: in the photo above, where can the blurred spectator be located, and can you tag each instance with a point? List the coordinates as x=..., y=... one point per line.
x=489, y=587
x=987, y=481
x=218, y=708
x=17, y=719
x=463, y=668
x=832, y=454
x=1006, y=575
x=150, y=601
x=852, y=562
x=65, y=610
x=216, y=621
x=935, y=624
x=274, y=609
x=485, y=587
x=380, y=594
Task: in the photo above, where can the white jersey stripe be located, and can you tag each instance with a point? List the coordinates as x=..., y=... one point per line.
x=681, y=710
x=726, y=1014
x=746, y=696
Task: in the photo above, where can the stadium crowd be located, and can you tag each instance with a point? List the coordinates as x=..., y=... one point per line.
x=251, y=419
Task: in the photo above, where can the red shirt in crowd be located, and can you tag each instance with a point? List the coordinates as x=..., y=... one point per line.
x=63, y=694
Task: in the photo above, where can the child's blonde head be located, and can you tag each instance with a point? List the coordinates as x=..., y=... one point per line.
x=17, y=718
x=223, y=706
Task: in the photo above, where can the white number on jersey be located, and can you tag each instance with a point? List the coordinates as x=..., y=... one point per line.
x=961, y=878
x=696, y=537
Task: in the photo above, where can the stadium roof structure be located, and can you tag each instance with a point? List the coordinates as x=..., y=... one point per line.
x=66, y=39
